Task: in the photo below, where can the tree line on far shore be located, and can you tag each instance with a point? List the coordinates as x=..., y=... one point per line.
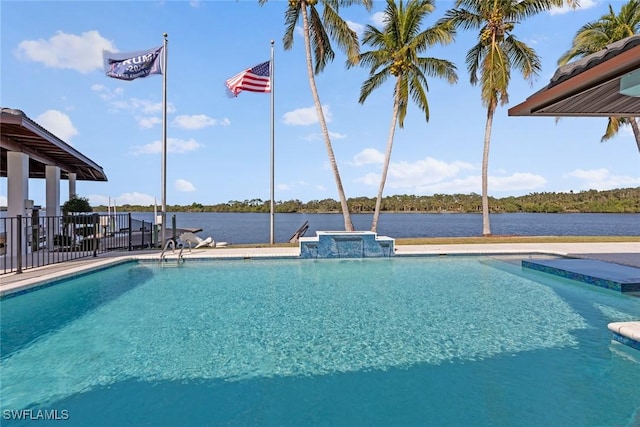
x=625, y=200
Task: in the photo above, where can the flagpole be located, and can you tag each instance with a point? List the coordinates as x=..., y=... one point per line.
x=163, y=226
x=272, y=145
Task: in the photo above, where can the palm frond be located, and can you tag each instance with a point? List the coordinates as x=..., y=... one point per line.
x=442, y=33
x=473, y=59
x=402, y=96
x=418, y=88
x=523, y=9
x=596, y=35
x=338, y=29
x=372, y=36
x=320, y=42
x=368, y=4
x=291, y=18
x=613, y=126
x=495, y=76
x=374, y=81
x=441, y=68
x=462, y=18
x=522, y=57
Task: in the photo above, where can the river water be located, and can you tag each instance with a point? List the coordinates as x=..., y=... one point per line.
x=243, y=228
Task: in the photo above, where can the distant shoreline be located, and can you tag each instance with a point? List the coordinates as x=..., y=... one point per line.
x=624, y=200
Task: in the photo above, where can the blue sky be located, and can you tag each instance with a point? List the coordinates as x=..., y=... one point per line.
x=219, y=146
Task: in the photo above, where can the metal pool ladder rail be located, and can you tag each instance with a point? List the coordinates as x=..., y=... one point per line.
x=171, y=243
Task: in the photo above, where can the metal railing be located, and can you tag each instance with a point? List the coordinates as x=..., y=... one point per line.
x=34, y=241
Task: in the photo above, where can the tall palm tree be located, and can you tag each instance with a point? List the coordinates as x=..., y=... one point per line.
x=318, y=31
x=595, y=36
x=397, y=49
x=492, y=58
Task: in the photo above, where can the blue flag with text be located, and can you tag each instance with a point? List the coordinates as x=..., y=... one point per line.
x=133, y=65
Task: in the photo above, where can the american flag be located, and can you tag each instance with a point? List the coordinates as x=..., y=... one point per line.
x=254, y=79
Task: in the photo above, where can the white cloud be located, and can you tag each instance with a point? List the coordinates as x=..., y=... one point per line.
x=368, y=156
x=370, y=179
x=132, y=105
x=318, y=136
x=283, y=186
x=584, y=4
x=145, y=106
x=146, y=113
x=593, y=175
x=378, y=19
x=198, y=121
x=141, y=109
x=82, y=53
x=430, y=175
x=58, y=124
x=423, y=172
x=466, y=185
x=3, y=201
x=148, y=122
x=174, y=145
x=305, y=116
x=602, y=179
x=184, y=186
x=123, y=199
x=415, y=175
x=515, y=182
x=105, y=93
x=358, y=28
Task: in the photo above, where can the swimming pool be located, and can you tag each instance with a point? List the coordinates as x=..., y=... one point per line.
x=398, y=341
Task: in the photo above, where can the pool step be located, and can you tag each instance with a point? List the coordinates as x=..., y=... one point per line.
x=171, y=262
x=604, y=274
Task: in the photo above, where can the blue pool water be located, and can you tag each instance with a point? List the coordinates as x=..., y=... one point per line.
x=401, y=341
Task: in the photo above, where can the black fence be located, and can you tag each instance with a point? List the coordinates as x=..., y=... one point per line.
x=35, y=241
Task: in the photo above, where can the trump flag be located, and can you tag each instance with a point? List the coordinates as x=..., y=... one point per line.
x=133, y=65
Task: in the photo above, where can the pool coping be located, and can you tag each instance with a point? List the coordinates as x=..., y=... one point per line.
x=13, y=282
x=625, y=253
x=627, y=333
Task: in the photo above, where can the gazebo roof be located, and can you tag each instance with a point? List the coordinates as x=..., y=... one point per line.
x=19, y=133
x=589, y=86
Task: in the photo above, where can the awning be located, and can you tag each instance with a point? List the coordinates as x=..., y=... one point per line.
x=19, y=133
x=589, y=86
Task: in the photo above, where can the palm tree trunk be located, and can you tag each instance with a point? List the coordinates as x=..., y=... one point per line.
x=348, y=225
x=387, y=158
x=636, y=130
x=486, y=229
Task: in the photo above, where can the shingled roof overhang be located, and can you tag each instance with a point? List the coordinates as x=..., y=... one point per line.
x=589, y=86
x=19, y=133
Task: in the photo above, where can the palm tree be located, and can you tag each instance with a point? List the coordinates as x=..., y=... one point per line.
x=397, y=49
x=497, y=51
x=595, y=36
x=318, y=30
